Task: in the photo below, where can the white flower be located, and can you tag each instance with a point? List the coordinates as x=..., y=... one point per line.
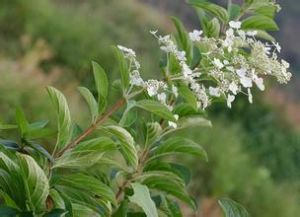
x=218, y=63
x=214, y=91
x=241, y=72
x=172, y=124
x=180, y=55
x=230, y=99
x=153, y=86
x=230, y=68
x=154, y=32
x=235, y=24
x=195, y=36
x=250, y=97
x=277, y=47
x=233, y=88
x=127, y=51
x=186, y=71
x=162, y=97
x=259, y=82
x=225, y=62
x=246, y=82
x=242, y=34
x=267, y=49
x=251, y=33
x=175, y=91
x=135, y=78
x=176, y=117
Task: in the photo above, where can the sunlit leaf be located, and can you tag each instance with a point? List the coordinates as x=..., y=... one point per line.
x=64, y=117
x=142, y=198
x=156, y=108
x=101, y=81
x=127, y=144
x=232, y=208
x=90, y=99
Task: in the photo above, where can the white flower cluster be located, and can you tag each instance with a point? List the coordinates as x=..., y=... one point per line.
x=233, y=64
x=154, y=88
x=188, y=75
x=240, y=60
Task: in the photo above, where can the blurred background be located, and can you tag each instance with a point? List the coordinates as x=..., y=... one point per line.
x=254, y=150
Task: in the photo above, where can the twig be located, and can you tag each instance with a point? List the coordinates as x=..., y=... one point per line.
x=91, y=129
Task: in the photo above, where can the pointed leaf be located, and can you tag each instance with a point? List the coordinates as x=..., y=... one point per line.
x=156, y=108
x=127, y=144
x=167, y=182
x=214, y=9
x=6, y=211
x=123, y=68
x=22, y=123
x=142, y=198
x=232, y=208
x=35, y=181
x=64, y=117
x=259, y=22
x=178, y=145
x=90, y=99
x=85, y=154
x=89, y=184
x=101, y=81
x=182, y=37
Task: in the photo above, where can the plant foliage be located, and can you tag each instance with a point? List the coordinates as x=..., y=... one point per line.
x=122, y=165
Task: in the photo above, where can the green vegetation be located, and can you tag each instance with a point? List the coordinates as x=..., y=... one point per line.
x=253, y=152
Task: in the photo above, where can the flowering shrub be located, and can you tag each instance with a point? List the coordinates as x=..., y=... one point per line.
x=123, y=164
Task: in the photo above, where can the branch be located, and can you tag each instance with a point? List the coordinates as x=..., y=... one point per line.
x=93, y=127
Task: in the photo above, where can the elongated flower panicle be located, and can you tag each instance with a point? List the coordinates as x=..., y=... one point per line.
x=233, y=63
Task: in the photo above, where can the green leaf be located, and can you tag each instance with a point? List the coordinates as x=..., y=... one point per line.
x=234, y=11
x=196, y=57
x=173, y=208
x=58, y=200
x=127, y=144
x=194, y=121
x=7, y=126
x=156, y=108
x=185, y=109
x=38, y=125
x=167, y=182
x=11, y=179
x=182, y=38
x=10, y=144
x=259, y=22
x=101, y=81
x=232, y=209
x=35, y=181
x=123, y=68
x=180, y=170
x=176, y=145
x=122, y=209
x=262, y=7
x=90, y=185
x=214, y=9
x=213, y=28
x=83, y=211
x=142, y=198
x=90, y=99
x=85, y=154
x=64, y=117
x=188, y=95
x=6, y=211
x=56, y=213
x=153, y=131
x=41, y=150
x=22, y=123
x=264, y=35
